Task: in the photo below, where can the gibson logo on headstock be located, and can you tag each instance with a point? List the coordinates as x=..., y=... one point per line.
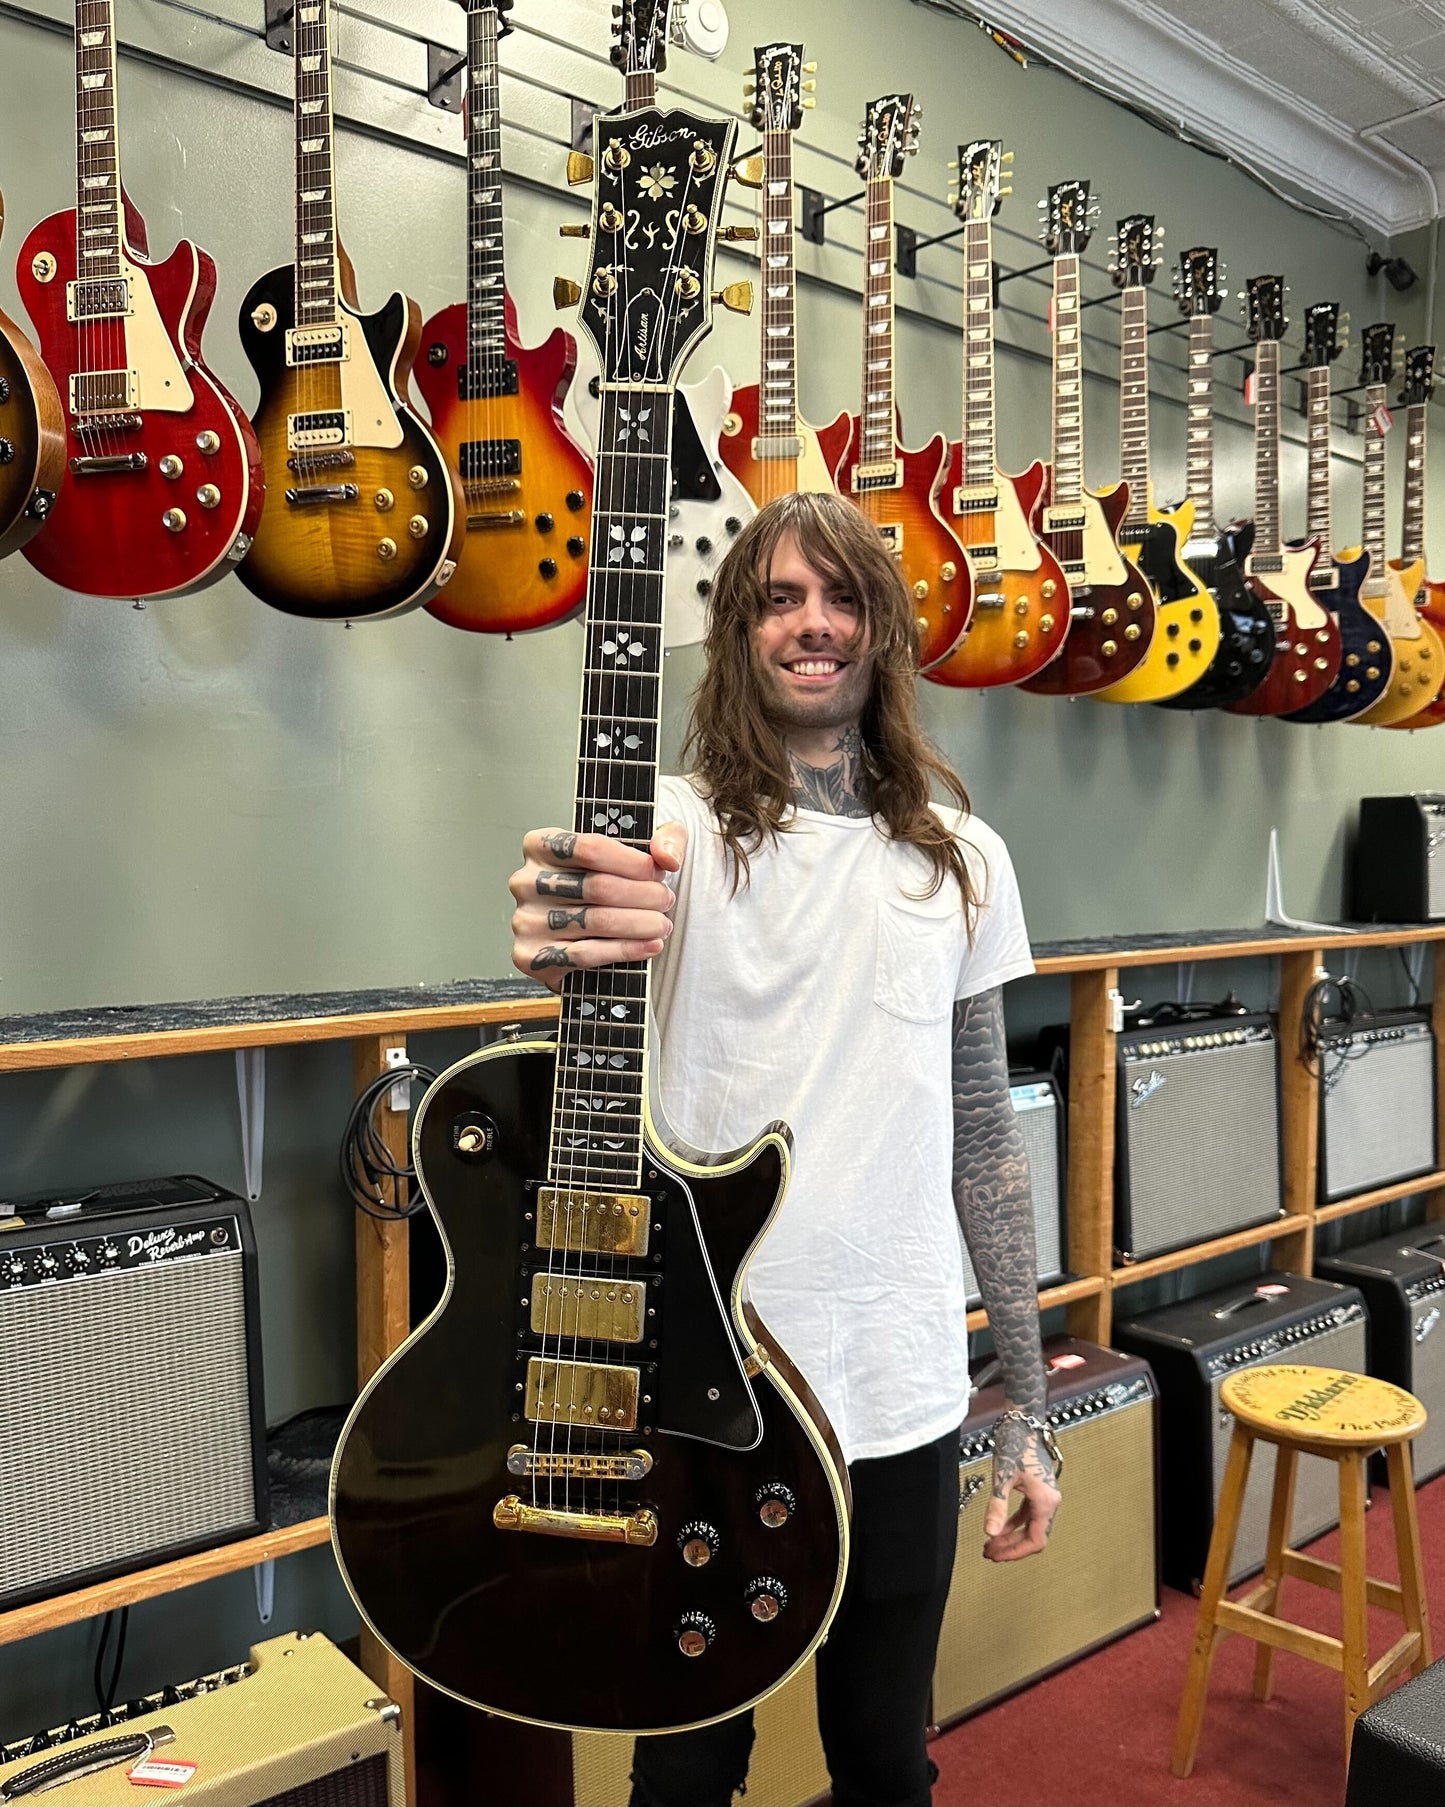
x=648, y=137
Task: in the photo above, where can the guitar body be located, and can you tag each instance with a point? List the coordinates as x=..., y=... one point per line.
x=391, y=540
x=32, y=439
x=1430, y=600
x=1246, y=642
x=906, y=513
x=1366, y=660
x=1187, y=631
x=1308, y=649
x=1107, y=601
x=109, y=534
x=764, y=478
x=562, y=1629
x=523, y=560
x=1020, y=613
x=1419, y=659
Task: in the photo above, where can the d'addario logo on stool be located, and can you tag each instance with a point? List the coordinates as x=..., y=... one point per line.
x=1144, y=1089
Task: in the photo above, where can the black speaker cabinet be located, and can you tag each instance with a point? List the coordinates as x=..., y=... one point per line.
x=1197, y=1142
x=1398, y=870
x=1397, y=1758
x=1009, y=1623
x=131, y=1421
x=1039, y=1110
x=1192, y=1348
x=1402, y=1280
x=1377, y=1103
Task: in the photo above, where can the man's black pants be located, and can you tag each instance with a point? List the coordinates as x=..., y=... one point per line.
x=876, y=1668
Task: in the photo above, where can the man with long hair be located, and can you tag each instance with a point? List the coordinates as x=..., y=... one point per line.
x=831, y=949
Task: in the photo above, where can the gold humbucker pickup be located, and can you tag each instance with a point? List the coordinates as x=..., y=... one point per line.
x=975, y=501
x=305, y=432
x=578, y=1305
x=582, y=1393
x=103, y=298
x=593, y=1223
x=1065, y=520
x=578, y=1465
x=103, y=391
x=640, y=1527
x=878, y=476
x=318, y=344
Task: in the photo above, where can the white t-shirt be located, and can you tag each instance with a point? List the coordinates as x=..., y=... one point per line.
x=822, y=994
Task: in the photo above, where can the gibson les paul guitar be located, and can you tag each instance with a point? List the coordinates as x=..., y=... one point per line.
x=32, y=436
x=590, y=1491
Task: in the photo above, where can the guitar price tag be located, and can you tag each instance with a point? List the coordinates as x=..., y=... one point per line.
x=1249, y=388
x=1065, y=1361
x=157, y=1772
x=1383, y=419
x=1271, y=1290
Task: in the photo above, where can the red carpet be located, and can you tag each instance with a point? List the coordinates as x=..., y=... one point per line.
x=1098, y=1734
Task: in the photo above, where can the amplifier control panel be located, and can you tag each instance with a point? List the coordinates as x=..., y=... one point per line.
x=1085, y=1405
x=49, y=1262
x=1278, y=1342
x=1192, y=1043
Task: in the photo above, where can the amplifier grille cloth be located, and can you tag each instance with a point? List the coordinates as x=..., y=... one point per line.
x=362, y=1784
x=1317, y=1483
x=124, y=1417
x=1203, y=1147
x=1379, y=1111
x=1039, y=1124
x=1427, y=1381
x=1434, y=829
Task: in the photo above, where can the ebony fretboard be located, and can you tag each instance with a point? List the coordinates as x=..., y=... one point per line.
x=1266, y=449
x=315, y=191
x=1134, y=404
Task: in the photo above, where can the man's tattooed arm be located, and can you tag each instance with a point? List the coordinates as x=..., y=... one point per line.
x=840, y=789
x=995, y=1208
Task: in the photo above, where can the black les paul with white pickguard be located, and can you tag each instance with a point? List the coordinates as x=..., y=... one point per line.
x=591, y=1491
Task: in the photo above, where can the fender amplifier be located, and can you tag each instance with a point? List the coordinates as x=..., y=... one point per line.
x=1197, y=1143
x=1402, y=1278
x=1398, y=872
x=131, y=1419
x=1377, y=1103
x=296, y=1726
x=1007, y=1624
x=1397, y=1754
x=1191, y=1348
x=1040, y=1113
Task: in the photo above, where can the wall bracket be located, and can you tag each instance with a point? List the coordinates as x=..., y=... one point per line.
x=279, y=14
x=445, y=71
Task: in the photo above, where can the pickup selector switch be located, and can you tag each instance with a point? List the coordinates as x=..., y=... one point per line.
x=766, y=1597
x=776, y=1503
x=695, y=1631
x=699, y=1543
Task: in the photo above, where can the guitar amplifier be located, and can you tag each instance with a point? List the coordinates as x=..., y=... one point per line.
x=1192, y=1347
x=1398, y=872
x=1402, y=1279
x=1040, y=1113
x=1197, y=1142
x=1099, y=1576
x=296, y=1726
x=1398, y=1750
x=1377, y=1103
x=131, y=1418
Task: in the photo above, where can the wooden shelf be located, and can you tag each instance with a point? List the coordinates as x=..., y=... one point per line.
x=1068, y=1292
x=1382, y=1195
x=164, y=1578
x=1134, y=1271
x=1220, y=944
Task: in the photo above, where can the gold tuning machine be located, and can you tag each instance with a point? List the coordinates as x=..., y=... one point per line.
x=736, y=234
x=737, y=297
x=565, y=292
x=1006, y=157
x=583, y=231
x=748, y=171
x=810, y=87
x=580, y=168
x=810, y=68
x=809, y=102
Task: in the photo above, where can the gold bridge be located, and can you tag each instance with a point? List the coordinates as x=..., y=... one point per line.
x=594, y=1223
x=588, y=1305
x=578, y=1465
x=509, y=517
x=475, y=488
x=594, y=1394
x=640, y=1527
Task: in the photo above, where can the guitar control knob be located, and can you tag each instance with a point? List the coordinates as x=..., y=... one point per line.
x=109, y=1254
x=576, y=545
x=12, y=1271
x=386, y=550
x=920, y=589
x=948, y=571
x=699, y=1543
x=436, y=354
x=704, y=587
x=545, y=523
x=208, y=496
x=1021, y=638
x=733, y=524
x=694, y=1632
x=704, y=545
x=765, y=1597
x=776, y=1503
x=576, y=500
x=170, y=466
x=1109, y=617
x=1047, y=624
x=418, y=476
x=77, y=1260
x=384, y=500
x=174, y=520
x=1048, y=589
x=7, y=451
x=547, y=567
x=1109, y=648
x=417, y=527
x=208, y=443
x=47, y=1266
x=4, y=389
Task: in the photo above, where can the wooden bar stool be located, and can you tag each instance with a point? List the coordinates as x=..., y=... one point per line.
x=1342, y=1417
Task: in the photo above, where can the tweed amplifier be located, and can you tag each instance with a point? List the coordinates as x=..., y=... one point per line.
x=131, y=1419
x=1197, y=1144
x=1192, y=1347
x=296, y=1726
x=1040, y=1113
x=1377, y=1102
x=1099, y=1576
x=1398, y=869
x=1402, y=1278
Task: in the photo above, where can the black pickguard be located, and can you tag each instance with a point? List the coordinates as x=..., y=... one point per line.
x=1246, y=645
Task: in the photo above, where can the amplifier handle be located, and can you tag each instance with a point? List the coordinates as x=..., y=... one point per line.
x=1429, y=1242
x=66, y=1766
x=1254, y=1299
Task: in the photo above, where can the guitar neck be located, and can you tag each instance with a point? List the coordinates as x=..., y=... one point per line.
x=876, y=446
x=639, y=88
x=1372, y=533
x=778, y=409
x=486, y=264
x=1200, y=456
x=1134, y=404
x=316, y=253
x=980, y=437
x=97, y=154
x=1412, y=538
x=1067, y=439
x=1317, y=513
x=1266, y=449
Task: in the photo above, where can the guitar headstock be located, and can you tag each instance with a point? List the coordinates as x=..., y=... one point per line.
x=981, y=167
x=889, y=135
x=1419, y=376
x=1377, y=353
x=780, y=88
x=1135, y=256
x=500, y=7
x=1199, y=286
x=1326, y=333
x=1069, y=217
x=1264, y=307
x=640, y=33
x=647, y=297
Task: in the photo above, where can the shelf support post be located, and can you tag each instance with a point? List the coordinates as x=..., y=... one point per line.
x=1435, y=1200
x=251, y=1093
x=1091, y=1144
x=1300, y=1096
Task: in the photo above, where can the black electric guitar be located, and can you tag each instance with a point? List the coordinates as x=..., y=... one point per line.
x=591, y=1491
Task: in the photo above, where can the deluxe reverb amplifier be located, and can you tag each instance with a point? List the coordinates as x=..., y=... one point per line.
x=1192, y=1347
x=1402, y=1278
x=1398, y=870
x=1377, y=1102
x=131, y=1418
x=296, y=1726
x=1099, y=1576
x=1039, y=1111
x=1197, y=1143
